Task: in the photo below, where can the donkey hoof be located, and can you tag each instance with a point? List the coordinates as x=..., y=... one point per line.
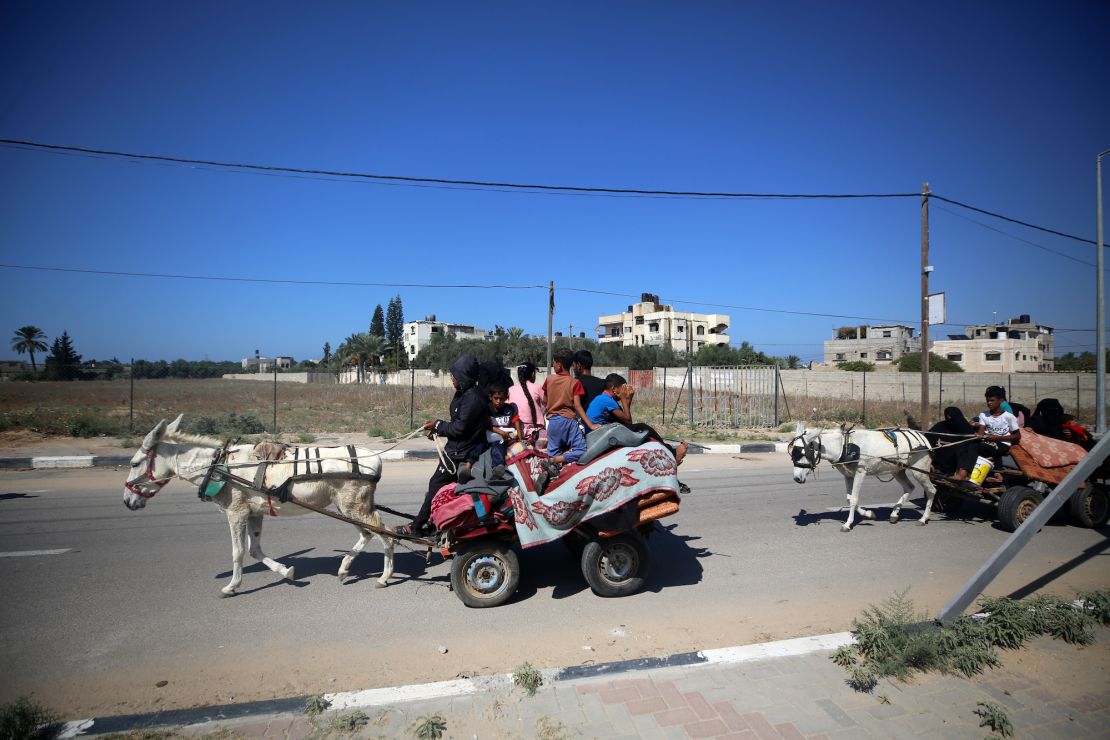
x=290, y=573
x=845, y=528
x=922, y=522
x=381, y=584
x=894, y=518
x=226, y=593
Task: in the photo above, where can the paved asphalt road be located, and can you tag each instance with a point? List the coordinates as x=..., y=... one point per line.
x=134, y=599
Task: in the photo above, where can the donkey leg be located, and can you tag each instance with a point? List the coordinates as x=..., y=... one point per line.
x=930, y=494
x=345, y=566
x=254, y=523
x=903, y=481
x=238, y=525
x=849, y=486
x=387, y=551
x=853, y=500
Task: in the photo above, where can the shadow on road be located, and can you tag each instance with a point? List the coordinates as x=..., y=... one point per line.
x=1095, y=550
x=6, y=496
x=674, y=561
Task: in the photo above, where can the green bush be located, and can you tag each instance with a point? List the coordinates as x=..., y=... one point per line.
x=91, y=422
x=24, y=718
x=911, y=363
x=857, y=366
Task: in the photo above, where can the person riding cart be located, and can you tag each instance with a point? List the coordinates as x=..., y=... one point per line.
x=465, y=429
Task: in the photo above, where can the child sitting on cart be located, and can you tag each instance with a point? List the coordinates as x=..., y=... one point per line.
x=996, y=429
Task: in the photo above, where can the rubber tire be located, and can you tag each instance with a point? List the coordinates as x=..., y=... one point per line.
x=485, y=574
x=1016, y=504
x=1090, y=507
x=616, y=566
x=946, y=502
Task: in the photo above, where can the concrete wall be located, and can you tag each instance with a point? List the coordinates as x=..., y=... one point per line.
x=326, y=378
x=1027, y=388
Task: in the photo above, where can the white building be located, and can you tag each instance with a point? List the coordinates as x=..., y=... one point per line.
x=418, y=334
x=649, y=323
x=879, y=345
x=258, y=364
x=1017, y=346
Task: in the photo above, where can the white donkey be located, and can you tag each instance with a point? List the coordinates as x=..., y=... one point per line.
x=167, y=453
x=858, y=453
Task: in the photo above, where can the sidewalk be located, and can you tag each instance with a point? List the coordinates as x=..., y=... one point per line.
x=96, y=452
x=730, y=693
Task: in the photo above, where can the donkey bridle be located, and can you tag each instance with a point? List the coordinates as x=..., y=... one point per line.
x=147, y=476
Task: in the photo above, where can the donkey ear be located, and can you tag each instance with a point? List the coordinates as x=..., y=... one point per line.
x=174, y=425
x=155, y=435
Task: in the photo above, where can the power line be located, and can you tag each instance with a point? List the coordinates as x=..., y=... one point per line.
x=439, y=180
x=1013, y=220
x=1017, y=238
x=220, y=278
x=462, y=286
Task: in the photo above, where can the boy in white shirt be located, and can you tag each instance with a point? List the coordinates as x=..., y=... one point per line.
x=997, y=430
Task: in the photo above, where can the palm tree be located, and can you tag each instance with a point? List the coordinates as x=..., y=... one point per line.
x=362, y=350
x=29, y=339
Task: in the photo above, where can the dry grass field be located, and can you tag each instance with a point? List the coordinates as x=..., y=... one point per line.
x=104, y=407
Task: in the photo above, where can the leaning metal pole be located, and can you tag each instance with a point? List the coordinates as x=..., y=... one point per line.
x=1013, y=544
x=1100, y=307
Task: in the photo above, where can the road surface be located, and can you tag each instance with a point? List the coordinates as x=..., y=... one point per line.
x=102, y=604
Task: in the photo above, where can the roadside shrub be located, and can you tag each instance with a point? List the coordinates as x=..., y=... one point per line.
x=857, y=366
x=91, y=422
x=24, y=718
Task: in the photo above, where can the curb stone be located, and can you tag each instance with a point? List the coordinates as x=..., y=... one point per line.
x=113, y=461
x=452, y=688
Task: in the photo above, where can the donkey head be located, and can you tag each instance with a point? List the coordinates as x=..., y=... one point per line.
x=149, y=470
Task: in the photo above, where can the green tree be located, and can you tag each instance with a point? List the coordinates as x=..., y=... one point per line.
x=362, y=350
x=377, y=323
x=395, y=330
x=1084, y=362
x=326, y=359
x=911, y=363
x=857, y=366
x=29, y=340
x=63, y=363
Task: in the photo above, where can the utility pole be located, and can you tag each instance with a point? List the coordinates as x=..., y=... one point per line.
x=550, y=318
x=925, y=270
x=1100, y=306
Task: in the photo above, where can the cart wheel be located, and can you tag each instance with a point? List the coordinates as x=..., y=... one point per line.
x=1015, y=506
x=1090, y=507
x=946, y=502
x=485, y=574
x=616, y=566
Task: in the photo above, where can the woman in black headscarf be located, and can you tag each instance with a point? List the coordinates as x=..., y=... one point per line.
x=1048, y=419
x=954, y=423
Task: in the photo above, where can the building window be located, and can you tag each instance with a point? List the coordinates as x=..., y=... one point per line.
x=955, y=356
x=886, y=334
x=700, y=331
x=639, y=321
x=412, y=330
x=435, y=330
x=412, y=349
x=863, y=355
x=884, y=354
x=653, y=326
x=840, y=357
x=681, y=329
x=993, y=357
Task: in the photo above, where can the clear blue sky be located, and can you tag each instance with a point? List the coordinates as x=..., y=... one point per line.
x=1000, y=104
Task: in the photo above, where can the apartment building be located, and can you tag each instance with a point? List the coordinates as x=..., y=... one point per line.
x=879, y=345
x=1016, y=346
x=650, y=323
x=418, y=334
x=259, y=364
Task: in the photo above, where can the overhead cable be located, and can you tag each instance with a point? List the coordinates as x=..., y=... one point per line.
x=440, y=180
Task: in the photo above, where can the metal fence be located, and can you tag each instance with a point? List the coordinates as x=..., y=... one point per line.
x=744, y=396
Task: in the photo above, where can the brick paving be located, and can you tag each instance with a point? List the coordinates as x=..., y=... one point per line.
x=797, y=698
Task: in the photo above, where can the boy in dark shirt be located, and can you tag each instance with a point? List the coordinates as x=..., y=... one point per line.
x=592, y=386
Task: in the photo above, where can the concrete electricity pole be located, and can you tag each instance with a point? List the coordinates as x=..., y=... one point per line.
x=1100, y=306
x=925, y=270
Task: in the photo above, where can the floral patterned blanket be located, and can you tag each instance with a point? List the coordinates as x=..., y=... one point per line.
x=584, y=492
